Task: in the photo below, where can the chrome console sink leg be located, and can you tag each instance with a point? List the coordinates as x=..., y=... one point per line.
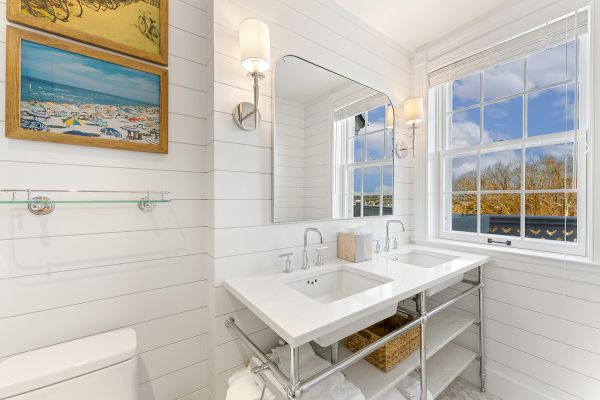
x=335, y=349
x=423, y=352
x=482, y=373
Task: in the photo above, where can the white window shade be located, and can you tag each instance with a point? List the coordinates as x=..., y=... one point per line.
x=549, y=35
x=360, y=106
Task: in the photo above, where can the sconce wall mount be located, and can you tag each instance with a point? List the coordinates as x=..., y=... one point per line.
x=255, y=49
x=413, y=115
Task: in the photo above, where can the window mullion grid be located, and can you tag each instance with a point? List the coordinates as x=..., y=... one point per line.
x=525, y=133
x=481, y=130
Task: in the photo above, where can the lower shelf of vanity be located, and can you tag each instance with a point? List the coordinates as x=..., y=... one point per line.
x=445, y=360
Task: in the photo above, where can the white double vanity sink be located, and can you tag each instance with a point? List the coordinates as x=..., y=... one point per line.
x=328, y=303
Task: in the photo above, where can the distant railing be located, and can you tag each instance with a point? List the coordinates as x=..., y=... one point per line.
x=536, y=227
x=369, y=211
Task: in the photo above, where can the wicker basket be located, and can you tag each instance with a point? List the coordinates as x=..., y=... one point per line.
x=393, y=353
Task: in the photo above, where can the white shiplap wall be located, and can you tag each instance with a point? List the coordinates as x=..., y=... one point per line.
x=318, y=162
x=243, y=240
x=87, y=269
x=289, y=161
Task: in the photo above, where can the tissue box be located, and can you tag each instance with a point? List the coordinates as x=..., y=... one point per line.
x=355, y=247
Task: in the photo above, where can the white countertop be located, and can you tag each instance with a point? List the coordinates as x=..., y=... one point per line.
x=298, y=319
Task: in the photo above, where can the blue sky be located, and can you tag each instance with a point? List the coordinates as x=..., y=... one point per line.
x=549, y=104
x=59, y=66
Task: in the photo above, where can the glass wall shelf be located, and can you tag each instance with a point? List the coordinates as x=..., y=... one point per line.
x=124, y=201
x=39, y=203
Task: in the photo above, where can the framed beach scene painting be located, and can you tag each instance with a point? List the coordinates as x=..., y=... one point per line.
x=134, y=27
x=57, y=91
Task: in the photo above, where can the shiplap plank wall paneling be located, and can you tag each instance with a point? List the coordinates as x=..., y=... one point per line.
x=318, y=159
x=541, y=334
x=244, y=241
x=289, y=161
x=87, y=269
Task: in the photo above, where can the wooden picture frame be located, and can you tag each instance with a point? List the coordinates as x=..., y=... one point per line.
x=120, y=103
x=66, y=18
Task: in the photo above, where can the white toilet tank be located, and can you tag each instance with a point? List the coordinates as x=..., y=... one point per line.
x=100, y=367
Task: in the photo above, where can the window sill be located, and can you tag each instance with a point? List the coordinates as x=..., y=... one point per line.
x=539, y=262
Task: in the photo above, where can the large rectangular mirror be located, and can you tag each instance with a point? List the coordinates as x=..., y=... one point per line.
x=333, y=145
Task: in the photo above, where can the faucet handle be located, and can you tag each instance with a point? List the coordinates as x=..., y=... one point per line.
x=320, y=261
x=377, y=247
x=288, y=262
x=395, y=243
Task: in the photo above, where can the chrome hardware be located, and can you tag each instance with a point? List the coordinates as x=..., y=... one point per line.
x=507, y=242
x=395, y=245
x=320, y=262
x=387, y=232
x=41, y=206
x=288, y=263
x=305, y=264
x=377, y=247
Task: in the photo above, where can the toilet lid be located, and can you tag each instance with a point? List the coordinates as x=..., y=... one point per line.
x=49, y=365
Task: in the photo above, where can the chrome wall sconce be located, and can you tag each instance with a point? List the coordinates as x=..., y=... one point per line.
x=413, y=115
x=255, y=51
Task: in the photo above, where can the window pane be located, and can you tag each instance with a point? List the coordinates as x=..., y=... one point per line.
x=503, y=120
x=388, y=179
x=549, y=167
x=551, y=216
x=465, y=129
x=464, y=173
x=375, y=146
x=357, y=180
x=504, y=80
x=371, y=206
x=466, y=91
x=358, y=146
x=376, y=119
x=501, y=214
x=464, y=212
x=550, y=66
x=372, y=180
x=360, y=122
x=389, y=144
x=388, y=204
x=356, y=206
x=551, y=110
x=501, y=170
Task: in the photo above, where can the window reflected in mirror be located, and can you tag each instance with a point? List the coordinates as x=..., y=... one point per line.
x=333, y=155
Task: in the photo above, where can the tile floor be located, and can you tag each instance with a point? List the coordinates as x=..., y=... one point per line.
x=463, y=390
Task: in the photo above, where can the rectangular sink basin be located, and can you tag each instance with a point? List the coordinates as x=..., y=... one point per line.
x=332, y=285
x=422, y=259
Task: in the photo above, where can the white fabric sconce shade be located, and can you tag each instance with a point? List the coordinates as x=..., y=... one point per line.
x=413, y=111
x=255, y=45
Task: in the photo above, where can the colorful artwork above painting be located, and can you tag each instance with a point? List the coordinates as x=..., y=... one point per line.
x=133, y=27
x=62, y=92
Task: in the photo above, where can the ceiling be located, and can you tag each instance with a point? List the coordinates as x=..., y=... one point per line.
x=414, y=23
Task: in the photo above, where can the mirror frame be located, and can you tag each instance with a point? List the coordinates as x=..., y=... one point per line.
x=273, y=128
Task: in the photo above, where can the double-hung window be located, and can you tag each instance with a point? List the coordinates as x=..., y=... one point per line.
x=512, y=156
x=369, y=163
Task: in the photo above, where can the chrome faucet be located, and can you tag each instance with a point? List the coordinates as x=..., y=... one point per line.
x=305, y=264
x=387, y=232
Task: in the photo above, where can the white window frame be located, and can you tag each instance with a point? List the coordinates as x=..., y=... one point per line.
x=579, y=136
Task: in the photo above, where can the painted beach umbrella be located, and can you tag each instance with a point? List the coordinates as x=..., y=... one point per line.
x=73, y=122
